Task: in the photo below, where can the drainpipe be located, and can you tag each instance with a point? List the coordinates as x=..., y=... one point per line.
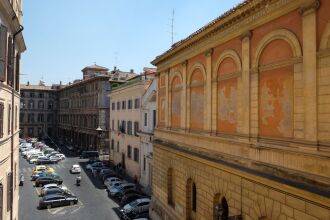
x=12, y=126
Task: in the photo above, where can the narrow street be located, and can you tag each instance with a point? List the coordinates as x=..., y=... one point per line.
x=93, y=200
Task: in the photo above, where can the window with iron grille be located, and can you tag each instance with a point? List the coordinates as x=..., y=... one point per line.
x=130, y=104
x=136, y=154
x=129, y=151
x=137, y=103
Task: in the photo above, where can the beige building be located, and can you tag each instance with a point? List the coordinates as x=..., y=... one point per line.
x=38, y=111
x=243, y=128
x=11, y=46
x=125, y=123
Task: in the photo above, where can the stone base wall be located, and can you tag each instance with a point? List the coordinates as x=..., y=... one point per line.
x=252, y=196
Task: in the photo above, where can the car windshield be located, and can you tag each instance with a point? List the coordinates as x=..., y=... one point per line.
x=134, y=203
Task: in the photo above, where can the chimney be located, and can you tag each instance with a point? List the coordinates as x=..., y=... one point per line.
x=28, y=83
x=132, y=71
x=60, y=83
x=114, y=68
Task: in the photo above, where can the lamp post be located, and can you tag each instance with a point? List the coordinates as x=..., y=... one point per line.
x=99, y=134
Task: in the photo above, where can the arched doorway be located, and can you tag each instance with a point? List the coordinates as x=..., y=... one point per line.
x=221, y=208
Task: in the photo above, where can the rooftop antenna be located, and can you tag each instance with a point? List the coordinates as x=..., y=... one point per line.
x=172, y=27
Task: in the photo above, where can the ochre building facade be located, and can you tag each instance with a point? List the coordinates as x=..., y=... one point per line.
x=243, y=124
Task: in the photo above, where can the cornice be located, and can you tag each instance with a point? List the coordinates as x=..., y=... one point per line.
x=247, y=20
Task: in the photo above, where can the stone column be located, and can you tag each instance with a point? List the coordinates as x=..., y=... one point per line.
x=184, y=96
x=208, y=92
x=245, y=88
x=310, y=70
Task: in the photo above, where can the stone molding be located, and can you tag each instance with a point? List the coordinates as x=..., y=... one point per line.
x=303, y=11
x=191, y=70
x=230, y=53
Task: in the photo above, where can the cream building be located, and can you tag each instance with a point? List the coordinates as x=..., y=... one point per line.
x=125, y=123
x=243, y=121
x=11, y=46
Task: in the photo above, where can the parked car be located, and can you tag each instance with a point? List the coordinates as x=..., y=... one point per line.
x=55, y=158
x=62, y=156
x=58, y=191
x=109, y=180
x=43, y=168
x=108, y=175
x=91, y=161
x=115, y=184
x=130, y=197
x=44, y=160
x=51, y=186
x=52, y=153
x=57, y=200
x=42, y=174
x=41, y=181
x=95, y=164
x=141, y=216
x=125, y=192
x=75, y=169
x=136, y=207
x=70, y=147
x=115, y=191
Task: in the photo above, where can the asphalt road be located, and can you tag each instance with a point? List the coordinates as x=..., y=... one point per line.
x=94, y=203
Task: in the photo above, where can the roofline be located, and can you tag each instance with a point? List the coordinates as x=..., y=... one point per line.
x=85, y=81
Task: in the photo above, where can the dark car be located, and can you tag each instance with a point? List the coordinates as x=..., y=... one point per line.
x=91, y=161
x=57, y=200
x=130, y=197
x=44, y=160
x=57, y=191
x=43, y=174
x=108, y=175
x=125, y=192
x=41, y=181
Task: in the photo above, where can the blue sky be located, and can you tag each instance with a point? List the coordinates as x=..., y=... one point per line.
x=63, y=36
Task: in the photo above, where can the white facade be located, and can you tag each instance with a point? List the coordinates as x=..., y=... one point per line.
x=148, y=122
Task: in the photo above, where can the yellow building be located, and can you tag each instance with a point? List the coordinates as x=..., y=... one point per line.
x=243, y=127
x=11, y=46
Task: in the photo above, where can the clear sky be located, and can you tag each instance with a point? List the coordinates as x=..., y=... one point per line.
x=63, y=36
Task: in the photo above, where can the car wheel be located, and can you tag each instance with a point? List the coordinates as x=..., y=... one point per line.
x=49, y=206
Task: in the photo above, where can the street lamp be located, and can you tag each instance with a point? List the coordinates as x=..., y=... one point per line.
x=99, y=133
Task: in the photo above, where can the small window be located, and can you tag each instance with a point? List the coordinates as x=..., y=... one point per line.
x=144, y=163
x=154, y=118
x=41, y=95
x=113, y=106
x=118, y=105
x=136, y=154
x=112, y=144
x=113, y=124
x=129, y=151
x=9, y=117
x=129, y=127
x=123, y=105
x=137, y=103
x=31, y=95
x=117, y=146
x=1, y=118
x=194, y=198
x=41, y=104
x=136, y=128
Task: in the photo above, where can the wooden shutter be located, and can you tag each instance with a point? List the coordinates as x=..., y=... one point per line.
x=3, y=51
x=1, y=119
x=9, y=191
x=18, y=58
x=10, y=61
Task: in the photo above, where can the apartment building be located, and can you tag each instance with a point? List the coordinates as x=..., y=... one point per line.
x=11, y=46
x=148, y=123
x=38, y=110
x=125, y=124
x=243, y=128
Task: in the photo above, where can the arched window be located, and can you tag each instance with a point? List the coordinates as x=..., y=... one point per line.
x=221, y=208
x=170, y=187
x=276, y=90
x=176, y=90
x=197, y=100
x=191, y=200
x=227, y=74
x=194, y=198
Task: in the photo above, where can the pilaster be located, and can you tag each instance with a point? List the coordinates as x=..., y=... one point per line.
x=167, y=105
x=184, y=96
x=310, y=69
x=208, y=92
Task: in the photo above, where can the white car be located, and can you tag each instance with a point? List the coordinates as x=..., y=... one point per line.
x=75, y=169
x=62, y=156
x=109, y=180
x=137, y=206
x=51, y=186
x=54, y=158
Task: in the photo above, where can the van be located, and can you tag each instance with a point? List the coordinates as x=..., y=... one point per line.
x=89, y=154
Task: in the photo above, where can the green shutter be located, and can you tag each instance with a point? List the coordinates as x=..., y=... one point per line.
x=3, y=51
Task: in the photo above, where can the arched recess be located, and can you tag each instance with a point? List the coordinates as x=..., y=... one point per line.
x=325, y=39
x=227, y=72
x=220, y=207
x=191, y=200
x=175, y=100
x=275, y=60
x=170, y=185
x=196, y=92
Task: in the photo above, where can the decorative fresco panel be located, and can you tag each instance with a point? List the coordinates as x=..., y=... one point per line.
x=197, y=108
x=276, y=102
x=227, y=108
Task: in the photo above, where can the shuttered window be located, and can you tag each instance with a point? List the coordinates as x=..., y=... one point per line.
x=10, y=62
x=1, y=200
x=3, y=52
x=9, y=191
x=18, y=58
x=9, y=119
x=2, y=107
